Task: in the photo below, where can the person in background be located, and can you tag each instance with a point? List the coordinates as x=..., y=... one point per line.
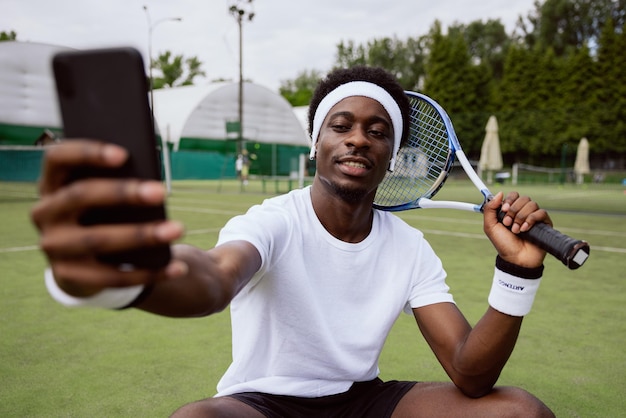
x=245, y=167
x=242, y=166
x=239, y=165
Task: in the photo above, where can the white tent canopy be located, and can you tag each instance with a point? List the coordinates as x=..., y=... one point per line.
x=203, y=111
x=302, y=113
x=28, y=98
x=27, y=93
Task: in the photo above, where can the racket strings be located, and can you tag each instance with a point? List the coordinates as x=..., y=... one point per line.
x=422, y=163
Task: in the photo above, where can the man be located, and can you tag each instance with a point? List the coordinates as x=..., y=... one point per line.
x=314, y=279
x=242, y=166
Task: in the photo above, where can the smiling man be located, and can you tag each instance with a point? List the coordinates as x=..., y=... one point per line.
x=315, y=278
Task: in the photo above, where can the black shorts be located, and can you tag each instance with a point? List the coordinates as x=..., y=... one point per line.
x=373, y=399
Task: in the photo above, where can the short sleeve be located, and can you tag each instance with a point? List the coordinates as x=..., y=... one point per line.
x=429, y=285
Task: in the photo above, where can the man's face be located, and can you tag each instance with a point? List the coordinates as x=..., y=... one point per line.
x=354, y=147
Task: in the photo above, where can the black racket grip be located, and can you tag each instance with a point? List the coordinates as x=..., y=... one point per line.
x=572, y=252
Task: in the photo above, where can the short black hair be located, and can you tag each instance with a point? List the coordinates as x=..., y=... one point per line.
x=375, y=75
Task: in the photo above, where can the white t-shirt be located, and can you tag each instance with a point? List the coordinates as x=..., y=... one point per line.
x=314, y=318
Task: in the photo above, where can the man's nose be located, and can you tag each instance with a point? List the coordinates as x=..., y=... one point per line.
x=358, y=138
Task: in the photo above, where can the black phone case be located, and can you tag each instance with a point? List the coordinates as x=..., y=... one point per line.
x=103, y=95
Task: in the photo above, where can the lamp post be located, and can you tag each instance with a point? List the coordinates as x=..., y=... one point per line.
x=241, y=9
x=165, y=155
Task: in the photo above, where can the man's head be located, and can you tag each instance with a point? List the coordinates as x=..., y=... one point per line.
x=372, y=82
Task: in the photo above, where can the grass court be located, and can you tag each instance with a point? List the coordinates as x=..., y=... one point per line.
x=59, y=362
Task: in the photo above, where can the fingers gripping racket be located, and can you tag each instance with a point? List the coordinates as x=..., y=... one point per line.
x=422, y=167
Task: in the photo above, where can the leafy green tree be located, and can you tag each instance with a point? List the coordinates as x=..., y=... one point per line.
x=404, y=59
x=487, y=44
x=350, y=55
x=557, y=77
x=611, y=113
x=8, y=36
x=567, y=25
x=458, y=85
x=175, y=70
x=551, y=120
x=517, y=103
x=406, y=63
x=579, y=90
x=299, y=91
x=412, y=75
x=578, y=81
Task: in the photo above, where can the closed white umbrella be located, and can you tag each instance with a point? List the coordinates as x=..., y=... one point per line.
x=490, y=154
x=581, y=166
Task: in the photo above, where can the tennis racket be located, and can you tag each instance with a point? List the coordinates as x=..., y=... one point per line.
x=422, y=167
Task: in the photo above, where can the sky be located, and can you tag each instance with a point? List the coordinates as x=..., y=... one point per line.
x=285, y=37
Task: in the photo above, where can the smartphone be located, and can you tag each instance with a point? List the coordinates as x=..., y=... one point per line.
x=103, y=95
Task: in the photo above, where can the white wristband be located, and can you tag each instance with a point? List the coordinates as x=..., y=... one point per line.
x=512, y=295
x=111, y=298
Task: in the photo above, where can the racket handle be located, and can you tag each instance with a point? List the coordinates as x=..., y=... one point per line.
x=572, y=252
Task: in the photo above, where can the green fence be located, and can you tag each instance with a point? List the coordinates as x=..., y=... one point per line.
x=19, y=163
x=265, y=159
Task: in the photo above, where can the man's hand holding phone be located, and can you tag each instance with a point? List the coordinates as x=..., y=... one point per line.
x=101, y=216
x=75, y=250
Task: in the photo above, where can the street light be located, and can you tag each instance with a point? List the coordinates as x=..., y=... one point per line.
x=242, y=9
x=151, y=27
x=164, y=149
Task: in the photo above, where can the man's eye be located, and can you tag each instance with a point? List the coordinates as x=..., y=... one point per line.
x=340, y=127
x=378, y=134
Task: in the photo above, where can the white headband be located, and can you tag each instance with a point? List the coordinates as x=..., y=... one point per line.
x=366, y=89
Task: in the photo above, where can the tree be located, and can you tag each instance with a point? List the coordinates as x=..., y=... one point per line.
x=517, y=104
x=299, y=91
x=549, y=104
x=487, y=44
x=579, y=88
x=567, y=25
x=557, y=77
x=611, y=113
x=349, y=55
x=404, y=59
x=176, y=70
x=8, y=36
x=458, y=85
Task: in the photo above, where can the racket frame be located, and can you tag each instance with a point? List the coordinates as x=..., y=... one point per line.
x=571, y=252
x=455, y=151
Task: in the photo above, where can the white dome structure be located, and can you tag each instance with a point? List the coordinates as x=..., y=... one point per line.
x=203, y=111
x=189, y=118
x=27, y=94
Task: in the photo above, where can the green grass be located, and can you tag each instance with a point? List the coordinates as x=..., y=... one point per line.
x=59, y=362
